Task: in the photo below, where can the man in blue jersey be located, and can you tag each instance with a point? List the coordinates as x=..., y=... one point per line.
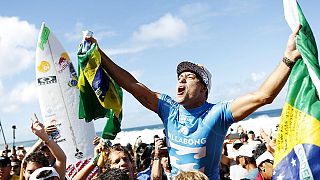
x=195, y=128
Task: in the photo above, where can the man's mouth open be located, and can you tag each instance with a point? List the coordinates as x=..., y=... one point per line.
x=181, y=90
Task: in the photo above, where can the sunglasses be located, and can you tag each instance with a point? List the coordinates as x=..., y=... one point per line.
x=44, y=174
x=266, y=161
x=269, y=161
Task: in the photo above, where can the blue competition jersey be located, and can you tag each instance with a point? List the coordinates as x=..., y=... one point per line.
x=195, y=136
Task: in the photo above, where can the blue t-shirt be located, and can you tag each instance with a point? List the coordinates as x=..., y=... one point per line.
x=195, y=136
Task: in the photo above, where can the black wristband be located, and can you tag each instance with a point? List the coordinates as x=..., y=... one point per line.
x=288, y=62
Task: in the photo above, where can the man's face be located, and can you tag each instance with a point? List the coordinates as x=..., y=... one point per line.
x=242, y=161
x=190, y=90
x=251, y=136
x=118, y=159
x=15, y=169
x=31, y=166
x=4, y=172
x=266, y=170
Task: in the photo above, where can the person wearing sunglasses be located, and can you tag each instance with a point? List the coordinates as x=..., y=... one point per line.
x=45, y=173
x=246, y=160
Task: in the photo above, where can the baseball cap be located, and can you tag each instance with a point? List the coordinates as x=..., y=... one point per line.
x=4, y=161
x=44, y=173
x=246, y=150
x=265, y=156
x=199, y=69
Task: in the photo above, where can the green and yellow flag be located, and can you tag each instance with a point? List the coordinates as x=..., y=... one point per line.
x=100, y=96
x=298, y=141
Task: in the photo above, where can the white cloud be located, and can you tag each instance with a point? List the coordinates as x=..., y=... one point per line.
x=243, y=7
x=136, y=73
x=1, y=89
x=166, y=31
x=196, y=12
x=98, y=32
x=131, y=50
x=17, y=43
x=76, y=34
x=24, y=93
x=167, y=28
x=257, y=76
x=233, y=90
x=236, y=89
x=9, y=108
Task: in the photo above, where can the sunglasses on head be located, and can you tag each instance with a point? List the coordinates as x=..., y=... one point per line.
x=266, y=161
x=44, y=174
x=269, y=161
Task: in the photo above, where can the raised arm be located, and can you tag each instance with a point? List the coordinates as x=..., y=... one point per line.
x=87, y=169
x=39, y=130
x=245, y=105
x=144, y=95
x=156, y=169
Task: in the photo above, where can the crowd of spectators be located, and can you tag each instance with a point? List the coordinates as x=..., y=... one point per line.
x=245, y=155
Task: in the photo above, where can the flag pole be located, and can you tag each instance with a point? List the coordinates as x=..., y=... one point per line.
x=4, y=138
x=14, y=135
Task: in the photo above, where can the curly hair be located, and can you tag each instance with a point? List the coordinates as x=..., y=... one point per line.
x=191, y=175
x=119, y=148
x=37, y=157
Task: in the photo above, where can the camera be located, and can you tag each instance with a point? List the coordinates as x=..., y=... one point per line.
x=164, y=140
x=14, y=127
x=165, y=149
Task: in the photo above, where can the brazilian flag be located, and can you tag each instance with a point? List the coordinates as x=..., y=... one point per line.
x=100, y=95
x=298, y=141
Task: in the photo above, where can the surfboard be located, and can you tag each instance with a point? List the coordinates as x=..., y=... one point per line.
x=56, y=80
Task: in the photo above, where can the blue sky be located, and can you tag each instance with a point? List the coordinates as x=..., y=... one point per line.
x=240, y=42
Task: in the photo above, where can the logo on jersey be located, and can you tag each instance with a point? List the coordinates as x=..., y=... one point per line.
x=184, y=130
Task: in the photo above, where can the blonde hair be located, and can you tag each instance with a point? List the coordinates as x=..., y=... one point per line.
x=191, y=175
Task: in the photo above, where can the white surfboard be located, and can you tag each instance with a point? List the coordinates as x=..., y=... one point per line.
x=59, y=98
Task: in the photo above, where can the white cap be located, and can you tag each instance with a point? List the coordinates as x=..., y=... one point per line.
x=51, y=173
x=246, y=150
x=266, y=155
x=198, y=69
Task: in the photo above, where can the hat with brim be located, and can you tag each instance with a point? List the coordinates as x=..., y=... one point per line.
x=263, y=157
x=198, y=69
x=44, y=173
x=246, y=151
